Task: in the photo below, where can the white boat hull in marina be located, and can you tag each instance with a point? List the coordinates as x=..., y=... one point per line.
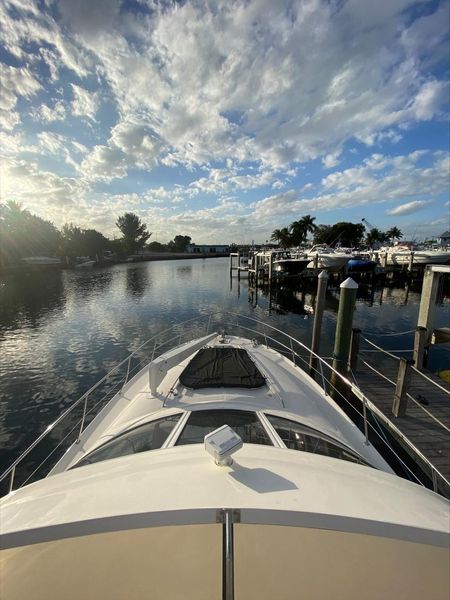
x=327, y=258
x=42, y=261
x=418, y=258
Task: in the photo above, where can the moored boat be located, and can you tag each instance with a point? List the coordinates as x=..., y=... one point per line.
x=324, y=257
x=42, y=261
x=84, y=262
x=220, y=470
x=402, y=255
x=361, y=263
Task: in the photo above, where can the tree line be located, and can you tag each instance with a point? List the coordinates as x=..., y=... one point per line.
x=343, y=234
x=24, y=234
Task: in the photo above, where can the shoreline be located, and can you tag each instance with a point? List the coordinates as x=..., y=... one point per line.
x=155, y=256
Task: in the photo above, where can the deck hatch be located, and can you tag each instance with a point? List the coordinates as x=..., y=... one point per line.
x=221, y=367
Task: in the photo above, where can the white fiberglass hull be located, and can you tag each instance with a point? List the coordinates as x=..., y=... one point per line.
x=420, y=258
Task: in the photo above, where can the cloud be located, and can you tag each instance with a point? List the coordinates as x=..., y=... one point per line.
x=50, y=114
x=85, y=103
x=217, y=80
x=408, y=208
x=378, y=179
x=104, y=164
x=15, y=83
x=37, y=189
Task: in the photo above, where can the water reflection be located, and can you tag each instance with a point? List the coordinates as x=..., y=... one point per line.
x=84, y=283
x=137, y=281
x=25, y=298
x=184, y=271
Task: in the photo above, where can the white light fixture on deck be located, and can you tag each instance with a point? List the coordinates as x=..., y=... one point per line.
x=221, y=444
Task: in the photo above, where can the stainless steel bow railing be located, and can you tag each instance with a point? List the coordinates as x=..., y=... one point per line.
x=233, y=323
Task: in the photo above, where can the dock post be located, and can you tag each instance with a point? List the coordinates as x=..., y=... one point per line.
x=401, y=389
x=343, y=330
x=322, y=281
x=316, y=263
x=411, y=262
x=428, y=298
x=270, y=266
x=354, y=348
x=420, y=340
x=239, y=265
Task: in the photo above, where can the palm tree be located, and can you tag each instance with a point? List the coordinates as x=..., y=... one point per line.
x=394, y=233
x=282, y=237
x=375, y=236
x=300, y=229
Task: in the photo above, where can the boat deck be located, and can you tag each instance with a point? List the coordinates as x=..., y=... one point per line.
x=427, y=421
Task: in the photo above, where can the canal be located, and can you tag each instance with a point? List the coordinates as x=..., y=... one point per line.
x=61, y=331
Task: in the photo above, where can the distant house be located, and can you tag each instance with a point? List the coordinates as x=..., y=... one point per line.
x=444, y=238
x=208, y=249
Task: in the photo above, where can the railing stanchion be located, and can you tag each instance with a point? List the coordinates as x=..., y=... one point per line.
x=82, y=420
x=366, y=428
x=434, y=478
x=292, y=352
x=11, y=481
x=128, y=371
x=323, y=378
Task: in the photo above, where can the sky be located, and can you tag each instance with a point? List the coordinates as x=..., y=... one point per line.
x=226, y=120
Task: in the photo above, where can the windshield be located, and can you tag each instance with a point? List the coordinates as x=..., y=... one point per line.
x=245, y=423
x=140, y=439
x=300, y=437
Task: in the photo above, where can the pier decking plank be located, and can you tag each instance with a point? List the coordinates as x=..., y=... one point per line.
x=420, y=424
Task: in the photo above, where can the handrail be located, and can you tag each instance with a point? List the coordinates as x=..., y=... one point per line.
x=380, y=349
x=199, y=319
x=64, y=414
x=443, y=425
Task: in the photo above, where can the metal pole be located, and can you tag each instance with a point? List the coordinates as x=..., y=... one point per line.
x=344, y=329
x=322, y=281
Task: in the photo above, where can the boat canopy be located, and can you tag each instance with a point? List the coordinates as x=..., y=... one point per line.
x=221, y=367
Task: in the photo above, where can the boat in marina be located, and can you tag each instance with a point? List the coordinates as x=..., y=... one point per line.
x=287, y=264
x=361, y=262
x=42, y=261
x=209, y=464
x=402, y=255
x=322, y=256
x=84, y=262
x=284, y=263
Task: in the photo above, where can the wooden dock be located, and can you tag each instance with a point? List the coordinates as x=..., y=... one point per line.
x=426, y=424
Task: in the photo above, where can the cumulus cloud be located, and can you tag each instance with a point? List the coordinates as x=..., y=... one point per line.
x=217, y=80
x=36, y=188
x=379, y=179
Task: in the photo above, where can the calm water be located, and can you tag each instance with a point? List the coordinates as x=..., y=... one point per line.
x=60, y=332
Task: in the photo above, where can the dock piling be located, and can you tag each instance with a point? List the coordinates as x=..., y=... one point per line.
x=400, y=402
x=354, y=348
x=319, y=306
x=344, y=323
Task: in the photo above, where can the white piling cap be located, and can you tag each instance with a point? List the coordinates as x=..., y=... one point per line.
x=349, y=284
x=323, y=275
